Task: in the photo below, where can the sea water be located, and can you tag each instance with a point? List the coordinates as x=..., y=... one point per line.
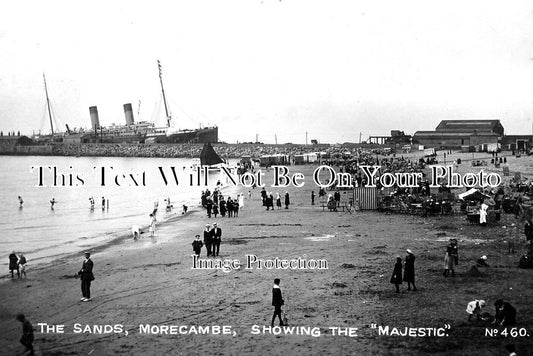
x=131, y=188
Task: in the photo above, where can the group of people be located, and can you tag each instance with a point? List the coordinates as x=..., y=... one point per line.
x=215, y=204
x=212, y=239
x=17, y=263
x=268, y=200
x=505, y=313
x=408, y=271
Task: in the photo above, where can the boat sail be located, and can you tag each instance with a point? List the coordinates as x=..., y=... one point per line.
x=208, y=156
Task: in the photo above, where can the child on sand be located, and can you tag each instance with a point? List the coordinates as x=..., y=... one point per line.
x=197, y=245
x=152, y=225
x=136, y=231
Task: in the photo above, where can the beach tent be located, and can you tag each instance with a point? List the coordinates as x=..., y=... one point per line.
x=473, y=194
x=310, y=157
x=366, y=197
x=264, y=161
x=429, y=152
x=299, y=159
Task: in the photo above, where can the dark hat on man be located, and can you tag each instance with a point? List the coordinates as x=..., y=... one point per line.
x=276, y=281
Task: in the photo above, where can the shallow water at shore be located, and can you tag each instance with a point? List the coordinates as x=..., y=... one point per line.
x=43, y=233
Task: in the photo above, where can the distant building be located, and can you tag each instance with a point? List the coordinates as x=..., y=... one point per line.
x=517, y=142
x=396, y=137
x=75, y=139
x=457, y=133
x=13, y=144
x=12, y=141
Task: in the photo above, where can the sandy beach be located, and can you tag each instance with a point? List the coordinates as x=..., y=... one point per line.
x=151, y=281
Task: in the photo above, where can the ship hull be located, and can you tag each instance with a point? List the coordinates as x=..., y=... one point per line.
x=205, y=135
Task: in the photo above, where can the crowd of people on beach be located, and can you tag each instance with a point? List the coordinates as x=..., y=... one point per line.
x=215, y=204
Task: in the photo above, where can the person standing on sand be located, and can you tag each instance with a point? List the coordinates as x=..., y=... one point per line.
x=483, y=214
x=409, y=270
x=222, y=205
x=215, y=209
x=241, y=201
x=235, y=208
x=52, y=202
x=197, y=245
x=13, y=264
x=22, y=265
x=277, y=302
x=287, y=200
x=263, y=196
x=229, y=207
x=209, y=206
x=151, y=228
x=396, y=278
x=449, y=260
x=21, y=202
x=27, y=334
x=216, y=234
x=278, y=201
x=528, y=232
x=86, y=276
x=208, y=239
x=312, y=197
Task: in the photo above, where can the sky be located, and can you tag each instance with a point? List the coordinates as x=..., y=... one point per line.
x=286, y=71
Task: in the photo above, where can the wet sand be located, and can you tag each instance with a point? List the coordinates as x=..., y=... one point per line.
x=151, y=282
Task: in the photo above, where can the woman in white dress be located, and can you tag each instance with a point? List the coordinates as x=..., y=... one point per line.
x=241, y=201
x=483, y=214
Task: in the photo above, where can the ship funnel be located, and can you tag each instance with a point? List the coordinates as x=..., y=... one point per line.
x=128, y=111
x=95, y=122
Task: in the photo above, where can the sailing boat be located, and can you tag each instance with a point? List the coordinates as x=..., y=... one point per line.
x=211, y=160
x=208, y=156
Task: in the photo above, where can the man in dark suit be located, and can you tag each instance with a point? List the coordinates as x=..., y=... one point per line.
x=277, y=302
x=216, y=233
x=208, y=239
x=86, y=276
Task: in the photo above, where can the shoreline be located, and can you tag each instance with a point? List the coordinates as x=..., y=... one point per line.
x=119, y=238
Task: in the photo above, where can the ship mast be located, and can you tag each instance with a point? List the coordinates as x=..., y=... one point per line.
x=163, y=91
x=48, y=104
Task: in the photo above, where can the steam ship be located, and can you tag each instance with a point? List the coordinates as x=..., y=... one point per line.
x=139, y=132
x=147, y=132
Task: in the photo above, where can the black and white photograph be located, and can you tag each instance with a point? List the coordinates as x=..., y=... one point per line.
x=266, y=177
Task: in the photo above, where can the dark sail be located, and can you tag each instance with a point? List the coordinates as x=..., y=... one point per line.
x=208, y=156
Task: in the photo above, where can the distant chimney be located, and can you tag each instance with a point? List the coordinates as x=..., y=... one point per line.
x=128, y=111
x=95, y=122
